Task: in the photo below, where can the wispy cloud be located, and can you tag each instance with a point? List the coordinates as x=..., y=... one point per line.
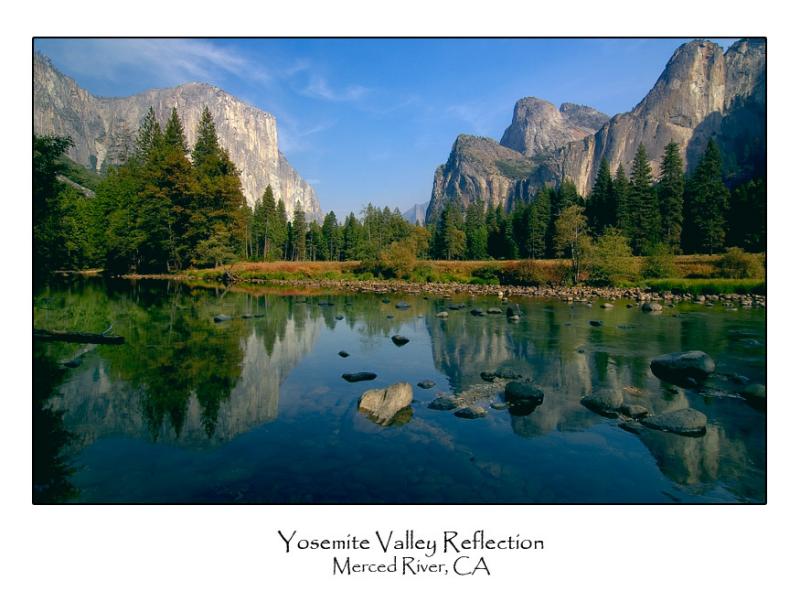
x=296, y=137
x=481, y=118
x=167, y=61
x=318, y=87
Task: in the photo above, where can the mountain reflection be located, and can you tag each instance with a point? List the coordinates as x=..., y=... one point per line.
x=181, y=377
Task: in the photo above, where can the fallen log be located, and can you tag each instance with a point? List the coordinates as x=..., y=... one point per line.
x=77, y=337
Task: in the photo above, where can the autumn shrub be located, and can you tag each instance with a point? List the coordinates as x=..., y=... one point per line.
x=610, y=260
x=659, y=263
x=736, y=263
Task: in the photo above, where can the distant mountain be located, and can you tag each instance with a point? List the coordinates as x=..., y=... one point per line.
x=416, y=215
x=103, y=129
x=702, y=93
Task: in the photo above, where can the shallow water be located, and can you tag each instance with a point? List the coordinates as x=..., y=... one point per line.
x=255, y=410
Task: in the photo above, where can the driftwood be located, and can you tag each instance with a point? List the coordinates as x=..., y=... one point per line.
x=77, y=337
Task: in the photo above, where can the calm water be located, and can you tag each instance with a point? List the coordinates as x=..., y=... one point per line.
x=255, y=410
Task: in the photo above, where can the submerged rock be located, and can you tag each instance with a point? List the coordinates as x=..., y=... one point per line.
x=683, y=367
x=402, y=305
x=605, y=401
x=494, y=311
x=652, y=307
x=443, y=403
x=634, y=411
x=344, y=354
x=471, y=413
x=354, y=377
x=523, y=397
x=426, y=384
x=596, y=322
x=681, y=422
x=340, y=317
x=399, y=340
x=442, y=314
x=383, y=404
x=477, y=312
x=756, y=393
x=222, y=318
x=513, y=311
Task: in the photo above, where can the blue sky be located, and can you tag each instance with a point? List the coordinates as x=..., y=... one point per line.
x=370, y=120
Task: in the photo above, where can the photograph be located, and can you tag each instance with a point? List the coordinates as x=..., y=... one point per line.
x=399, y=270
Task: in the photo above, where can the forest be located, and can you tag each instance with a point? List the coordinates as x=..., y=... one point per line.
x=163, y=207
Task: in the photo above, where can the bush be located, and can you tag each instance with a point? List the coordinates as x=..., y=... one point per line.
x=398, y=261
x=738, y=264
x=659, y=263
x=488, y=274
x=610, y=260
x=526, y=272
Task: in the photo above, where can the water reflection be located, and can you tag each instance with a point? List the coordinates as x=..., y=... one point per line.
x=183, y=381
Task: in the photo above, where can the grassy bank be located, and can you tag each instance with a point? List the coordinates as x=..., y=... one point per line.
x=697, y=274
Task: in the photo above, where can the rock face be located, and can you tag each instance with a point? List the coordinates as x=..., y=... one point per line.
x=416, y=215
x=103, y=129
x=383, y=404
x=702, y=93
x=538, y=127
x=478, y=168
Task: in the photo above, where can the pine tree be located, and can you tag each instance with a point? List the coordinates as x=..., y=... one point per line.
x=748, y=216
x=643, y=213
x=540, y=222
x=174, y=136
x=330, y=238
x=670, y=196
x=620, y=189
x=600, y=210
x=706, y=205
x=299, y=233
x=279, y=233
x=475, y=230
x=149, y=136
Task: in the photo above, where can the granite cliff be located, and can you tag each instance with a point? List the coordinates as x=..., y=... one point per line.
x=103, y=129
x=702, y=93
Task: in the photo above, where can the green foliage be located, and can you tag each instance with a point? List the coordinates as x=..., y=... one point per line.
x=738, y=264
x=659, y=262
x=670, y=196
x=716, y=286
x=396, y=261
x=525, y=273
x=571, y=239
x=600, y=208
x=706, y=205
x=516, y=170
x=477, y=236
x=748, y=216
x=644, y=223
x=450, y=241
x=610, y=260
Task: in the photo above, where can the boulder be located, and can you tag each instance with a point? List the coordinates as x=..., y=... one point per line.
x=494, y=311
x=442, y=314
x=477, y=312
x=402, y=305
x=344, y=354
x=354, y=377
x=222, y=318
x=470, y=412
x=523, y=397
x=604, y=401
x=607, y=306
x=426, y=384
x=507, y=373
x=383, y=404
x=634, y=411
x=443, y=403
x=652, y=307
x=755, y=392
x=681, y=422
x=683, y=367
x=596, y=322
x=513, y=310
x=399, y=340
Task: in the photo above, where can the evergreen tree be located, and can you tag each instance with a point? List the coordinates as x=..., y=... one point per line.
x=475, y=231
x=706, y=206
x=642, y=207
x=620, y=189
x=540, y=222
x=331, y=239
x=748, y=216
x=279, y=233
x=600, y=209
x=450, y=241
x=298, y=233
x=351, y=238
x=670, y=196
x=174, y=136
x=148, y=137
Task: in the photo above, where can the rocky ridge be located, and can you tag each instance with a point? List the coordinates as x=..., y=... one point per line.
x=103, y=129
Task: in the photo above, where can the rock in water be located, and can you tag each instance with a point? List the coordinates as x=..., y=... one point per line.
x=681, y=422
x=685, y=368
x=354, y=377
x=523, y=398
x=477, y=312
x=513, y=311
x=605, y=401
x=756, y=394
x=634, y=411
x=222, y=318
x=383, y=404
x=442, y=314
x=426, y=384
x=494, y=311
x=596, y=322
x=402, y=305
x=399, y=340
x=652, y=307
x=470, y=413
x=443, y=403
x=344, y=354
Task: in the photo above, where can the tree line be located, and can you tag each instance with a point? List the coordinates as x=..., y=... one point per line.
x=166, y=207
x=676, y=213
